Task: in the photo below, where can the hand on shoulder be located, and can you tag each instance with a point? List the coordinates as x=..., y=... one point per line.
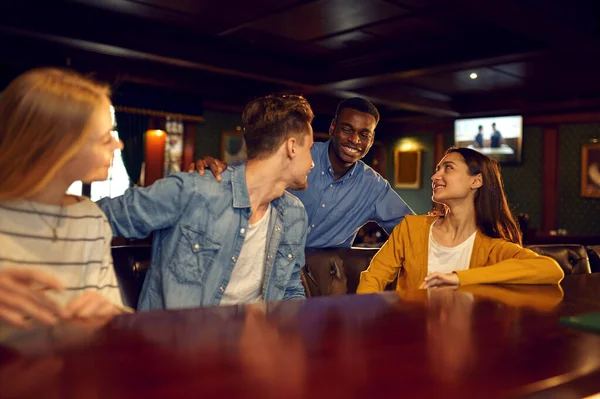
x=216, y=166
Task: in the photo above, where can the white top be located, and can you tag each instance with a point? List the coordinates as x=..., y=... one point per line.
x=447, y=260
x=79, y=257
x=249, y=270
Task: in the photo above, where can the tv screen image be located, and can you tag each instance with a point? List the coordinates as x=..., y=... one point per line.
x=499, y=137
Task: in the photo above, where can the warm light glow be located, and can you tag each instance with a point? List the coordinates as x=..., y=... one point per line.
x=473, y=75
x=157, y=133
x=408, y=144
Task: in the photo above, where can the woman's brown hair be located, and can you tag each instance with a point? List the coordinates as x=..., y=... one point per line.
x=44, y=115
x=492, y=213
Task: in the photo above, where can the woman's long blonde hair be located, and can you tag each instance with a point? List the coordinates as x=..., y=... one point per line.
x=44, y=114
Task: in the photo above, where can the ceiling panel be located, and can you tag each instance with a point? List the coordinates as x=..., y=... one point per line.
x=277, y=44
x=412, y=29
x=400, y=53
x=419, y=4
x=347, y=40
x=326, y=17
x=460, y=82
x=212, y=17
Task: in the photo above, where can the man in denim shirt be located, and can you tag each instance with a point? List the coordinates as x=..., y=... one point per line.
x=343, y=192
x=235, y=241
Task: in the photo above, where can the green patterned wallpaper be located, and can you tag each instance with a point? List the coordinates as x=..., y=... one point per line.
x=208, y=137
x=523, y=182
x=419, y=200
x=576, y=214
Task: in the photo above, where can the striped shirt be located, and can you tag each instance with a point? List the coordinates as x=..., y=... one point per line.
x=79, y=257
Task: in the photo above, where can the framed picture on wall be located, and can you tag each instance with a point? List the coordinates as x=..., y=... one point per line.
x=407, y=169
x=233, y=147
x=590, y=170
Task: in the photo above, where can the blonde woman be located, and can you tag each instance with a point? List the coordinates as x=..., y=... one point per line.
x=55, y=260
x=475, y=241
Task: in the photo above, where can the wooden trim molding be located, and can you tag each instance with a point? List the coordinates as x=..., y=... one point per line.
x=550, y=178
x=439, y=148
x=162, y=114
x=555, y=119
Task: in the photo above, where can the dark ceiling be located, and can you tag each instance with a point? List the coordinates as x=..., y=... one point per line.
x=412, y=58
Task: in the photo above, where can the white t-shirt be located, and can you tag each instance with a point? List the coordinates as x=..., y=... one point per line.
x=447, y=260
x=248, y=273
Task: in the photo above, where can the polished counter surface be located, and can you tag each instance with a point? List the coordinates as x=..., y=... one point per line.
x=474, y=342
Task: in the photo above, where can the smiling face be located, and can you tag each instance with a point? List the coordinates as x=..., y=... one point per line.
x=452, y=181
x=352, y=134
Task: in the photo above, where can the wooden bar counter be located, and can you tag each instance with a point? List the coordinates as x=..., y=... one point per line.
x=474, y=342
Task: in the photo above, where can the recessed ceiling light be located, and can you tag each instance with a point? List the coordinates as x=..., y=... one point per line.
x=473, y=75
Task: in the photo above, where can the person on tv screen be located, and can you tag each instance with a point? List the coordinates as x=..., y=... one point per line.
x=479, y=137
x=496, y=138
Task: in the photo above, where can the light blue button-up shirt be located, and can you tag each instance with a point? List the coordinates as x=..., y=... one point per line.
x=338, y=209
x=199, y=227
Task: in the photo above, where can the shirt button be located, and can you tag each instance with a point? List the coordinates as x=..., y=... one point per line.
x=331, y=185
x=221, y=288
x=322, y=173
x=242, y=231
x=322, y=205
x=196, y=246
x=233, y=258
x=290, y=256
x=313, y=226
x=269, y=256
x=277, y=229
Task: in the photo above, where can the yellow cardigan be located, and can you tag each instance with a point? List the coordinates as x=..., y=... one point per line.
x=493, y=260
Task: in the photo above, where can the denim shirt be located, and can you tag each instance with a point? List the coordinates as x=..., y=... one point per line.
x=199, y=227
x=337, y=209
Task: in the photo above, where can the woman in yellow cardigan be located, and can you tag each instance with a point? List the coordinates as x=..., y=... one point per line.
x=476, y=241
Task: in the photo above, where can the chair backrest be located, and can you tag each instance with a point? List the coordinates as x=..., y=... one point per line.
x=572, y=258
x=131, y=264
x=593, y=252
x=334, y=271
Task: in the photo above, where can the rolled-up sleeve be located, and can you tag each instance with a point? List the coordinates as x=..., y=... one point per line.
x=141, y=210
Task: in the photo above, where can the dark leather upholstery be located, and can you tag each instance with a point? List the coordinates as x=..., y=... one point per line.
x=572, y=258
x=593, y=252
x=335, y=271
x=131, y=264
x=330, y=271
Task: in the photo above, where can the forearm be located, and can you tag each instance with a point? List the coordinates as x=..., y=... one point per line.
x=295, y=289
x=376, y=279
x=385, y=264
x=539, y=270
x=122, y=222
x=382, y=271
x=139, y=211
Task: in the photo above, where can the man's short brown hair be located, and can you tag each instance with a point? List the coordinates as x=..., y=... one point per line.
x=269, y=121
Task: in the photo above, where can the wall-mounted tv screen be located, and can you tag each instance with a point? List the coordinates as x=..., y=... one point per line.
x=498, y=137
